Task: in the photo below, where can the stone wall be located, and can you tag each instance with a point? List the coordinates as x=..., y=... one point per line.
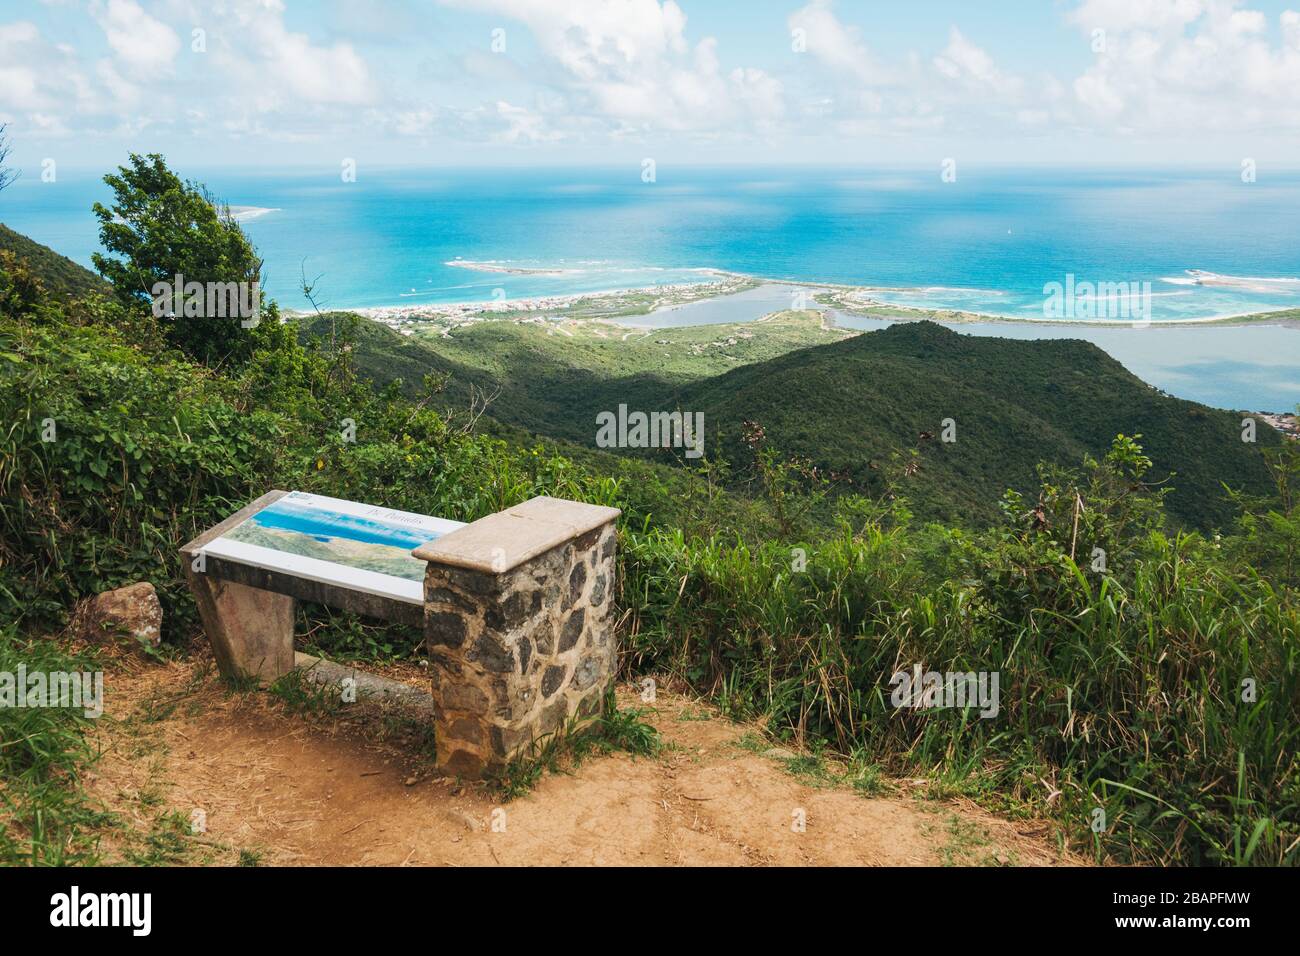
x=519, y=628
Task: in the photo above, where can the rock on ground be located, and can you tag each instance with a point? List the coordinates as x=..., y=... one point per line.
x=133, y=611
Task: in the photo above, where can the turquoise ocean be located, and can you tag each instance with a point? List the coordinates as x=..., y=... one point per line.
x=989, y=243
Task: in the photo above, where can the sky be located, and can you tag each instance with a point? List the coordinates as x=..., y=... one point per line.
x=606, y=82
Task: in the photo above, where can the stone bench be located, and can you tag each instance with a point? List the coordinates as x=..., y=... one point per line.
x=516, y=607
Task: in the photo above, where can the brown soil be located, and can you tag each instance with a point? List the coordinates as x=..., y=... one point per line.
x=347, y=788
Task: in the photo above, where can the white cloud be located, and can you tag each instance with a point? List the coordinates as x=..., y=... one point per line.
x=1123, y=15
x=1182, y=66
x=256, y=74
x=963, y=62
x=589, y=73
x=282, y=66
x=37, y=77
x=836, y=44
x=871, y=95
x=522, y=126
x=629, y=64
x=143, y=45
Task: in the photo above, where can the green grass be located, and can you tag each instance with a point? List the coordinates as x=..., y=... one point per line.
x=46, y=817
x=1120, y=691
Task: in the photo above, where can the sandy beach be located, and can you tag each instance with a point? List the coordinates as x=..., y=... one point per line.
x=625, y=304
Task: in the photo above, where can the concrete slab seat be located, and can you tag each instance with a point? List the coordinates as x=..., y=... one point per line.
x=516, y=607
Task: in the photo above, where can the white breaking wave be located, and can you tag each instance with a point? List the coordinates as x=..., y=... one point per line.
x=1285, y=284
x=245, y=213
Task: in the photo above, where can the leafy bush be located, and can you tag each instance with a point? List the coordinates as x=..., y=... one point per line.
x=114, y=456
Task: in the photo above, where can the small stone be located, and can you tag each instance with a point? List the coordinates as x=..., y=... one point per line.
x=552, y=680
x=448, y=596
x=489, y=653
x=572, y=630
x=133, y=611
x=598, y=589
x=586, y=673
x=552, y=717
x=467, y=729
x=444, y=628
x=462, y=763
x=514, y=610
x=505, y=741
x=411, y=781
x=577, y=580
x=460, y=817
x=472, y=582
x=545, y=638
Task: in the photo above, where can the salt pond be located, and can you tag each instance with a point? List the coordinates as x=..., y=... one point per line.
x=1254, y=367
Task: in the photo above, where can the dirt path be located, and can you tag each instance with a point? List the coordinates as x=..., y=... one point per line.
x=279, y=787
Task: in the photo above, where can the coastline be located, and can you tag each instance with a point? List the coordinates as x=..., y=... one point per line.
x=614, y=304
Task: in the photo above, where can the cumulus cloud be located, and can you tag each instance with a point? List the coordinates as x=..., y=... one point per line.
x=967, y=64
x=259, y=52
x=254, y=73
x=873, y=94
x=594, y=72
x=143, y=45
x=628, y=62
x=19, y=87
x=836, y=44
x=1185, y=65
x=41, y=79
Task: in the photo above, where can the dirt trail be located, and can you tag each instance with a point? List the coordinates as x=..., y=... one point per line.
x=289, y=788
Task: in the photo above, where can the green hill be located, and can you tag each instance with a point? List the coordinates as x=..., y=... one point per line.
x=850, y=405
x=849, y=402
x=62, y=277
x=552, y=377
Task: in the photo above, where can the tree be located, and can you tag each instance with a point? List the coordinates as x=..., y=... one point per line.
x=159, y=228
x=7, y=175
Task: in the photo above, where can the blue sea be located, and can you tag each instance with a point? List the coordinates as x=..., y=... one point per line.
x=989, y=242
x=324, y=525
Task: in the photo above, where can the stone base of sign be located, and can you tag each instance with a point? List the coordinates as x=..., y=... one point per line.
x=251, y=630
x=414, y=702
x=518, y=623
x=517, y=616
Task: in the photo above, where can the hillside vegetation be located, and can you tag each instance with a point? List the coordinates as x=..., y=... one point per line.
x=851, y=406
x=1150, y=676
x=551, y=377
x=62, y=278
x=866, y=410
